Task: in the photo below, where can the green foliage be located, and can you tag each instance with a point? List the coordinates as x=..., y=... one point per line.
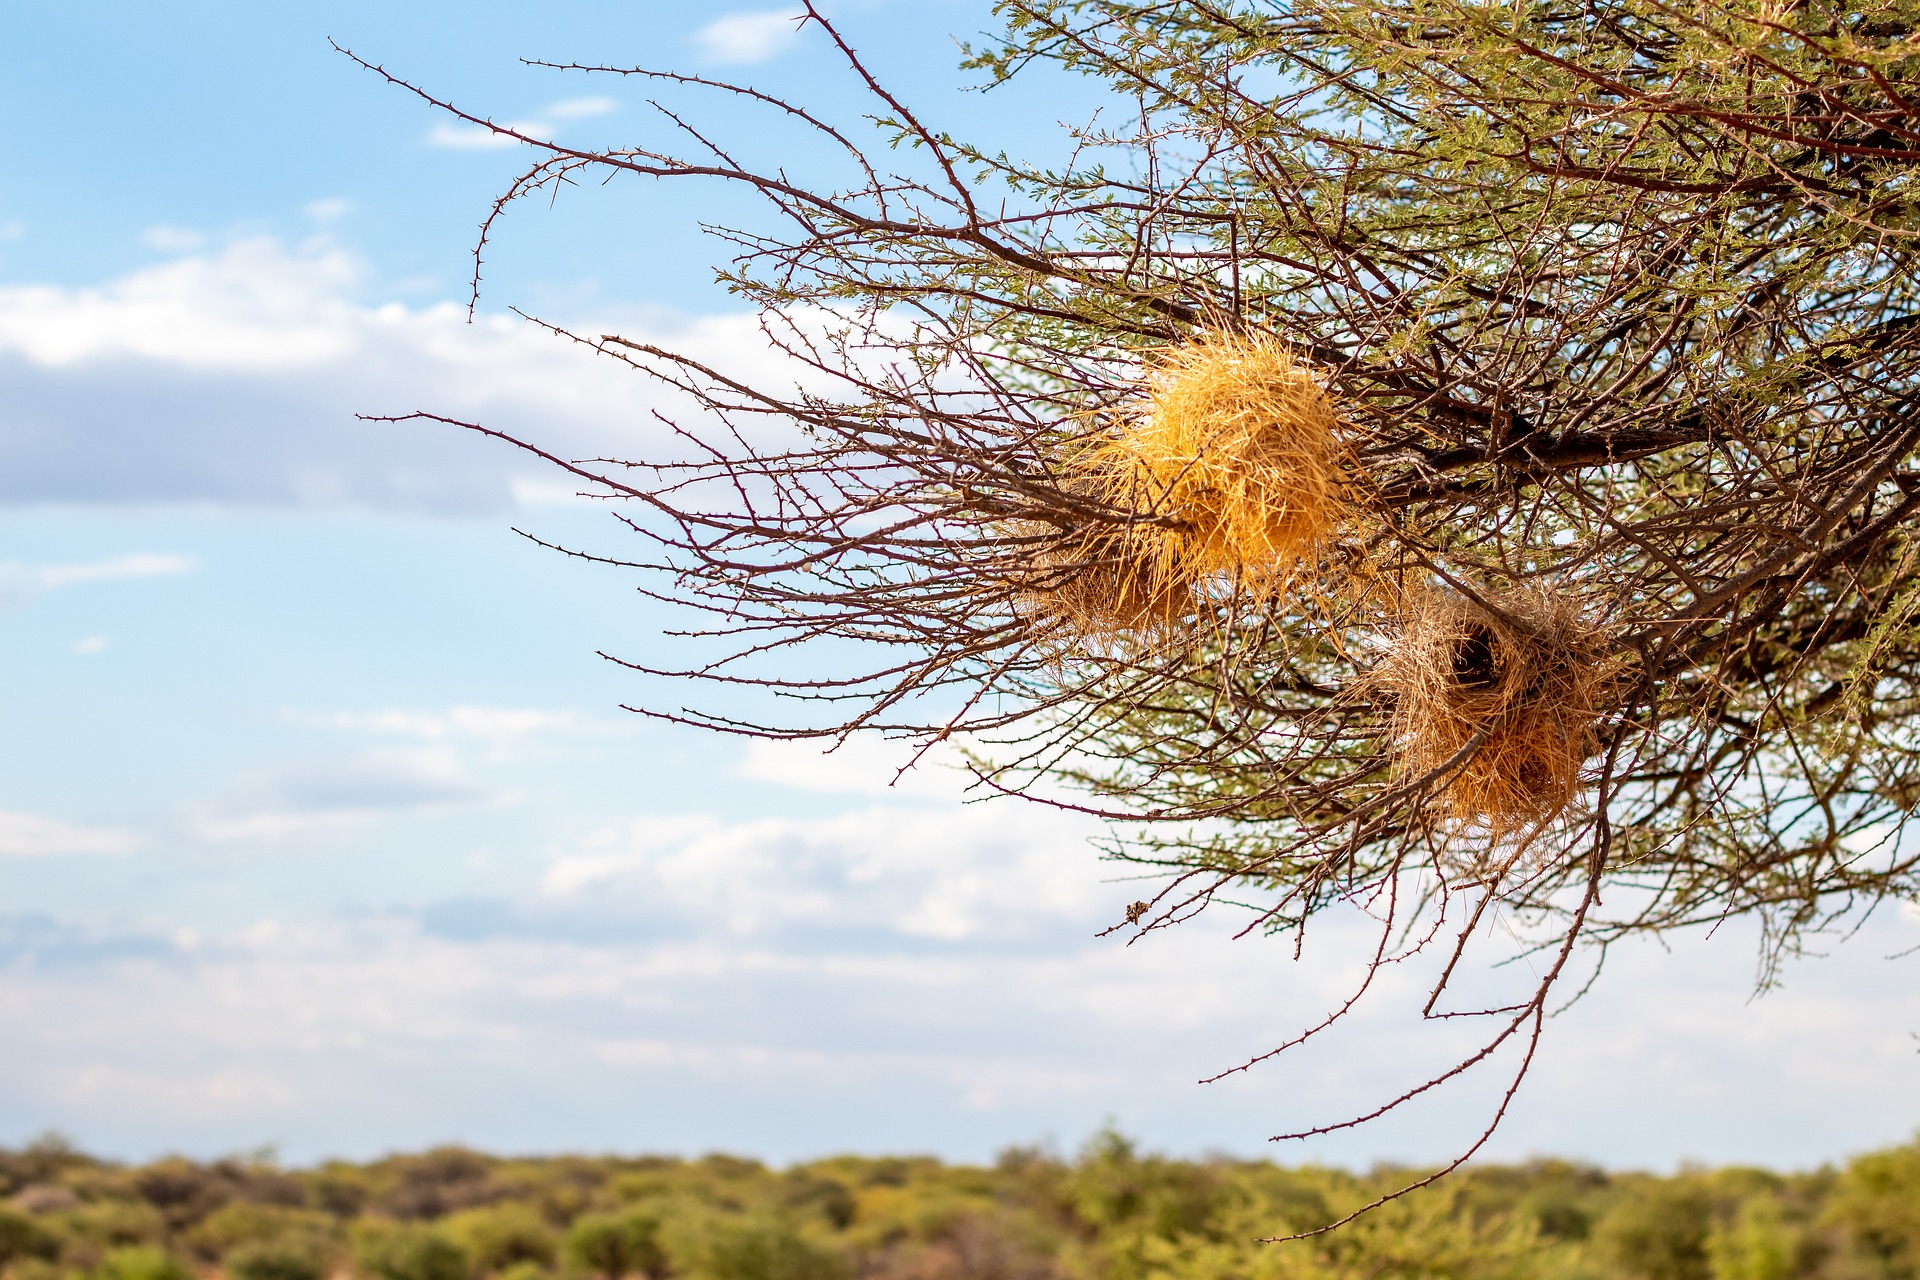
x=502, y=1236
x=1761, y=1243
x=768, y=1249
x=22, y=1236
x=141, y=1262
x=616, y=1245
x=112, y=1221
x=269, y=1242
x=387, y=1250
x=1112, y=1212
x=1878, y=1202
x=1113, y=1188
x=186, y=1193
x=829, y=1198
x=45, y=1161
x=284, y=1259
x=1659, y=1230
x=241, y=1223
x=434, y=1183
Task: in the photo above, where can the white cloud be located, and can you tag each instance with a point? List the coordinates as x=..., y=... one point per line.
x=234, y=376
x=579, y=108
x=500, y=732
x=368, y=1034
x=489, y=723
x=139, y=565
x=298, y=798
x=26, y=835
x=172, y=239
x=985, y=1080
x=330, y=209
x=473, y=137
x=21, y=582
x=863, y=765
x=251, y=306
x=998, y=869
x=12, y=231
x=757, y=36
x=91, y=644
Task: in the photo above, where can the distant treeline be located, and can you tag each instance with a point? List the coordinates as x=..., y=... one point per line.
x=1111, y=1213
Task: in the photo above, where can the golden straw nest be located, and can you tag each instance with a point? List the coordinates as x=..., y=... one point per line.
x=1098, y=586
x=1227, y=477
x=1528, y=673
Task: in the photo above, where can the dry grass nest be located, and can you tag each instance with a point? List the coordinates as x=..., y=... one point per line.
x=1526, y=678
x=1096, y=587
x=1226, y=480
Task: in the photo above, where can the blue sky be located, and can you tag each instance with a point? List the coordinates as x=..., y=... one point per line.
x=320, y=824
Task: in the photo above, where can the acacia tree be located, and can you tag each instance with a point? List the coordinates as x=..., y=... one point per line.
x=1617, y=304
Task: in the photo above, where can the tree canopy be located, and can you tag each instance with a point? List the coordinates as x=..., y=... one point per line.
x=1584, y=590
x=1109, y=1212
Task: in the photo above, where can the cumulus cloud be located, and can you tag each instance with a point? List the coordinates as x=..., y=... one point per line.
x=368, y=1033
x=909, y=975
x=28, y=835
x=367, y=1027
x=994, y=870
x=757, y=36
x=234, y=376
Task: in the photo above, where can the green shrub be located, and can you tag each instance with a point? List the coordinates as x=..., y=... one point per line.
x=1759, y=1244
x=32, y=1269
x=339, y=1188
x=1113, y=1187
x=239, y=1223
x=1659, y=1231
x=613, y=1245
x=22, y=1236
x=436, y=1183
x=111, y=1223
x=768, y=1251
x=141, y=1262
x=1878, y=1202
x=384, y=1250
x=501, y=1236
x=807, y=1192
x=287, y=1258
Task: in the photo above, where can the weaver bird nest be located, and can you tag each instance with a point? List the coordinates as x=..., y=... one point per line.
x=1225, y=480
x=1496, y=704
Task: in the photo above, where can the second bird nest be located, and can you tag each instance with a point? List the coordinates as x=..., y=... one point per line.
x=1497, y=703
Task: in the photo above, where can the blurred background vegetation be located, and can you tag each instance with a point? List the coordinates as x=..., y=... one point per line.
x=1110, y=1213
